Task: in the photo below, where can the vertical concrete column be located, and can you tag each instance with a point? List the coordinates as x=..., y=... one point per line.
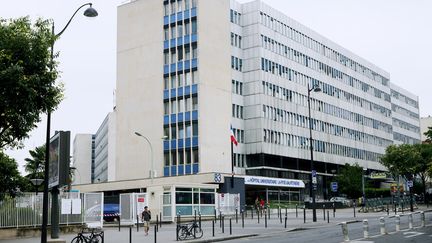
x=365, y=228
x=397, y=223
x=382, y=226
x=345, y=231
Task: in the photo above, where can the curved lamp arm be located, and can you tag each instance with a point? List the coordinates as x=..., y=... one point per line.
x=91, y=13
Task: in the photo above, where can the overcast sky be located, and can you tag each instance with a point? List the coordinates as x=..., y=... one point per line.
x=393, y=34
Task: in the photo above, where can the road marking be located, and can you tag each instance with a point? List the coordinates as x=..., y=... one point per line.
x=355, y=241
x=412, y=234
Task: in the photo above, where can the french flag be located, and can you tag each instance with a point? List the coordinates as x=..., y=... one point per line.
x=233, y=138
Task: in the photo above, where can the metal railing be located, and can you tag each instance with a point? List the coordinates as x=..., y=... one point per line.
x=26, y=211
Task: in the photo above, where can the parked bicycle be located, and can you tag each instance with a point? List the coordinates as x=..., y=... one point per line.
x=91, y=236
x=191, y=230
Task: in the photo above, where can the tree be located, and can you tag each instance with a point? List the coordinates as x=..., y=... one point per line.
x=428, y=135
x=350, y=180
x=424, y=163
x=10, y=179
x=35, y=165
x=27, y=78
x=401, y=160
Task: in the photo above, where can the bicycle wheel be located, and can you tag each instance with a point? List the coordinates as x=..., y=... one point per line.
x=198, y=233
x=97, y=238
x=77, y=239
x=183, y=233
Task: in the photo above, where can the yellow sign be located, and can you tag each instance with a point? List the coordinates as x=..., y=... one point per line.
x=378, y=175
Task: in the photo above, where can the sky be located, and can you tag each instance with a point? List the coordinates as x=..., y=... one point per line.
x=395, y=35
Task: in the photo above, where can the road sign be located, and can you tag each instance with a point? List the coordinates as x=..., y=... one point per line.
x=217, y=177
x=314, y=180
x=334, y=186
x=410, y=183
x=313, y=173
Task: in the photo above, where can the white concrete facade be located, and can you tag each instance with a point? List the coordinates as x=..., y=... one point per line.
x=250, y=67
x=104, y=158
x=82, y=159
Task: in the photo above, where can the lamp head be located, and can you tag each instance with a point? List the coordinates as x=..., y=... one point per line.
x=138, y=134
x=90, y=12
x=164, y=137
x=316, y=88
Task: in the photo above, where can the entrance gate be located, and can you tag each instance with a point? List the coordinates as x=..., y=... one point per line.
x=131, y=207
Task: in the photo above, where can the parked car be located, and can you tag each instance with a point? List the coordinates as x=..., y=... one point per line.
x=345, y=201
x=111, y=212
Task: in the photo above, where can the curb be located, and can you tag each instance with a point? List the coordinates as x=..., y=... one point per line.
x=222, y=238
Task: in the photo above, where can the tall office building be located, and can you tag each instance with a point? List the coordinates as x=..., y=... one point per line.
x=189, y=70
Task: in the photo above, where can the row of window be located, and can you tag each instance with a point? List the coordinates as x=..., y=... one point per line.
x=239, y=135
x=405, y=112
x=181, y=156
x=294, y=141
x=181, y=79
x=237, y=111
x=181, y=53
x=172, y=7
x=404, y=99
x=307, y=41
x=236, y=40
x=239, y=160
x=235, y=17
x=180, y=29
x=406, y=125
x=284, y=116
x=181, y=104
x=236, y=63
x=237, y=87
x=181, y=130
x=321, y=67
x=405, y=139
x=300, y=99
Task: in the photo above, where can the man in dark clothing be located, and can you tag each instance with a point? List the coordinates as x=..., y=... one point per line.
x=146, y=216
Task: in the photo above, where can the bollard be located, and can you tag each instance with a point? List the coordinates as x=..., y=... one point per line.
x=286, y=211
x=252, y=213
x=199, y=219
x=397, y=223
x=243, y=219
x=265, y=219
x=296, y=211
x=324, y=211
x=213, y=223
x=388, y=212
x=334, y=210
x=402, y=207
x=395, y=209
x=280, y=218
x=220, y=219
x=130, y=234
x=279, y=210
x=354, y=205
x=382, y=226
x=365, y=228
x=155, y=231
x=258, y=216
x=236, y=216
x=423, y=219
x=137, y=223
x=410, y=221
x=195, y=216
x=286, y=219
x=268, y=211
x=157, y=222
x=328, y=217
x=304, y=215
x=160, y=220
x=345, y=231
x=230, y=227
x=178, y=226
x=119, y=224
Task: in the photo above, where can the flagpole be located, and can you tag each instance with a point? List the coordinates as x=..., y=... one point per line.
x=232, y=166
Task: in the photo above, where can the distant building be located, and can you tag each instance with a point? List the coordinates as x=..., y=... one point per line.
x=425, y=123
x=83, y=159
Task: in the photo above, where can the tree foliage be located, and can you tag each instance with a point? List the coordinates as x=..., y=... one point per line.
x=428, y=135
x=10, y=179
x=350, y=180
x=35, y=165
x=401, y=159
x=27, y=78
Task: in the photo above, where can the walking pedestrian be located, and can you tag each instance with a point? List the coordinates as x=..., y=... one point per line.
x=146, y=216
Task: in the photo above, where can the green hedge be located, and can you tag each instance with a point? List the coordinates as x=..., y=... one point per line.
x=377, y=192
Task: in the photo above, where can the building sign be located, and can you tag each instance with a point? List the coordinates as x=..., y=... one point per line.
x=378, y=175
x=269, y=181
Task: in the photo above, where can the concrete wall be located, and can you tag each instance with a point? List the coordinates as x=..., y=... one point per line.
x=82, y=158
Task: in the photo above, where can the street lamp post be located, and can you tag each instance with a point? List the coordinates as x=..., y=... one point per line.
x=312, y=185
x=89, y=12
x=363, y=187
x=151, y=152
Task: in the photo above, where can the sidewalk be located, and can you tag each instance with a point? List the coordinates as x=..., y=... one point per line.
x=167, y=233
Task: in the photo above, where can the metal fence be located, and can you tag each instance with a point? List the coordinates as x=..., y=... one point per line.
x=26, y=210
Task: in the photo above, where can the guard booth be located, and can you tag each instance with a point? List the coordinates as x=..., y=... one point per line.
x=227, y=203
x=93, y=209
x=131, y=206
